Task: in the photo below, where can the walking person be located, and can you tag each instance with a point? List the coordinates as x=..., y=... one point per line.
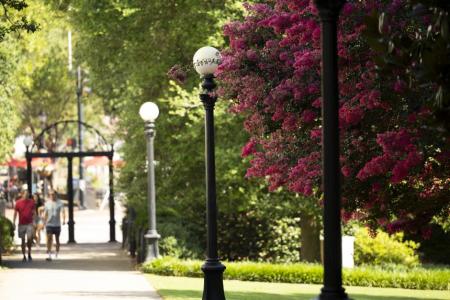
x=24, y=207
x=53, y=210
x=13, y=191
x=39, y=219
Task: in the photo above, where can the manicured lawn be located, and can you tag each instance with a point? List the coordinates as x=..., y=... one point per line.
x=176, y=288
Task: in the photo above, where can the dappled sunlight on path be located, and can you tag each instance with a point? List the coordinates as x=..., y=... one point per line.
x=83, y=257
x=90, y=269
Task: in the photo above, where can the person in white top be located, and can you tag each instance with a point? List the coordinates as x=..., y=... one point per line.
x=53, y=211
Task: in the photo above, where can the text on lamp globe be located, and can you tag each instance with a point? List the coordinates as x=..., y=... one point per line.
x=207, y=61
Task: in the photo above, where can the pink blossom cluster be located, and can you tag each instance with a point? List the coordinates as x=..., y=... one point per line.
x=399, y=156
x=271, y=71
x=303, y=176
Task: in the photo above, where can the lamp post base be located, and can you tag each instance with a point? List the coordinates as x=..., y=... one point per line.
x=152, y=238
x=213, y=282
x=71, y=225
x=332, y=294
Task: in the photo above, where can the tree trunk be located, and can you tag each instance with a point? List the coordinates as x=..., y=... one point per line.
x=310, y=238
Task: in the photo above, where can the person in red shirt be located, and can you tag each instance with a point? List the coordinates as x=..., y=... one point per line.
x=25, y=208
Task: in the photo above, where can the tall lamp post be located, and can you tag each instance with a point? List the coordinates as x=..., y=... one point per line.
x=149, y=112
x=79, y=91
x=43, y=118
x=206, y=61
x=80, y=88
x=332, y=289
x=28, y=141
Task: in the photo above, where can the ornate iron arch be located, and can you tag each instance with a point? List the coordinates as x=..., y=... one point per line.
x=101, y=145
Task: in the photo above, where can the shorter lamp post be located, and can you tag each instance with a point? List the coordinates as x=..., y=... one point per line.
x=149, y=112
x=206, y=61
x=28, y=141
x=43, y=118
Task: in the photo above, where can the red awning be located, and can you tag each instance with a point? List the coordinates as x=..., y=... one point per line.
x=15, y=163
x=101, y=161
x=45, y=161
x=22, y=163
x=96, y=161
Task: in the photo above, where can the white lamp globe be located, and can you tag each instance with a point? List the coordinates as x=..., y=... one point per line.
x=28, y=140
x=42, y=117
x=206, y=60
x=149, y=111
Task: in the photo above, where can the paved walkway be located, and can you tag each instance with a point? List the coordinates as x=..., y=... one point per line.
x=86, y=270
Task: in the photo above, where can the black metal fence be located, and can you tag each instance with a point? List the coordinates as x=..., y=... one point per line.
x=133, y=240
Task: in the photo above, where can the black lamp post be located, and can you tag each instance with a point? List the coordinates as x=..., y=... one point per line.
x=206, y=61
x=332, y=289
x=28, y=141
x=149, y=112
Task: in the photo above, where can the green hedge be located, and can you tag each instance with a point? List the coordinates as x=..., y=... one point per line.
x=414, y=278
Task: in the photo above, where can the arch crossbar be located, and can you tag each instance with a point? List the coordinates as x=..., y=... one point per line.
x=103, y=141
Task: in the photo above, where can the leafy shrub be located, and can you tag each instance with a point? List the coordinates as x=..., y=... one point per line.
x=283, y=244
x=169, y=246
x=242, y=235
x=384, y=249
x=181, y=239
x=170, y=266
x=6, y=234
x=435, y=249
x=261, y=231
x=414, y=278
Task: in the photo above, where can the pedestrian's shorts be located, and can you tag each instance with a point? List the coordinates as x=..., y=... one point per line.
x=26, y=229
x=56, y=230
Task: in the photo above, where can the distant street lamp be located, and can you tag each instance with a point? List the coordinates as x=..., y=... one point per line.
x=43, y=118
x=149, y=112
x=28, y=141
x=332, y=278
x=206, y=60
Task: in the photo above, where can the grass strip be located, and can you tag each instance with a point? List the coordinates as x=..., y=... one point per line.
x=184, y=288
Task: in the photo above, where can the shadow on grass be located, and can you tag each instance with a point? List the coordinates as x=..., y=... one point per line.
x=188, y=294
x=371, y=297
x=234, y=295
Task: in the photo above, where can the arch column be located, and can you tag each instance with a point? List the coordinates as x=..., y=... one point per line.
x=29, y=173
x=112, y=221
x=71, y=221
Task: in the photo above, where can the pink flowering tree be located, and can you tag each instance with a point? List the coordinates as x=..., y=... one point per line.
x=394, y=156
